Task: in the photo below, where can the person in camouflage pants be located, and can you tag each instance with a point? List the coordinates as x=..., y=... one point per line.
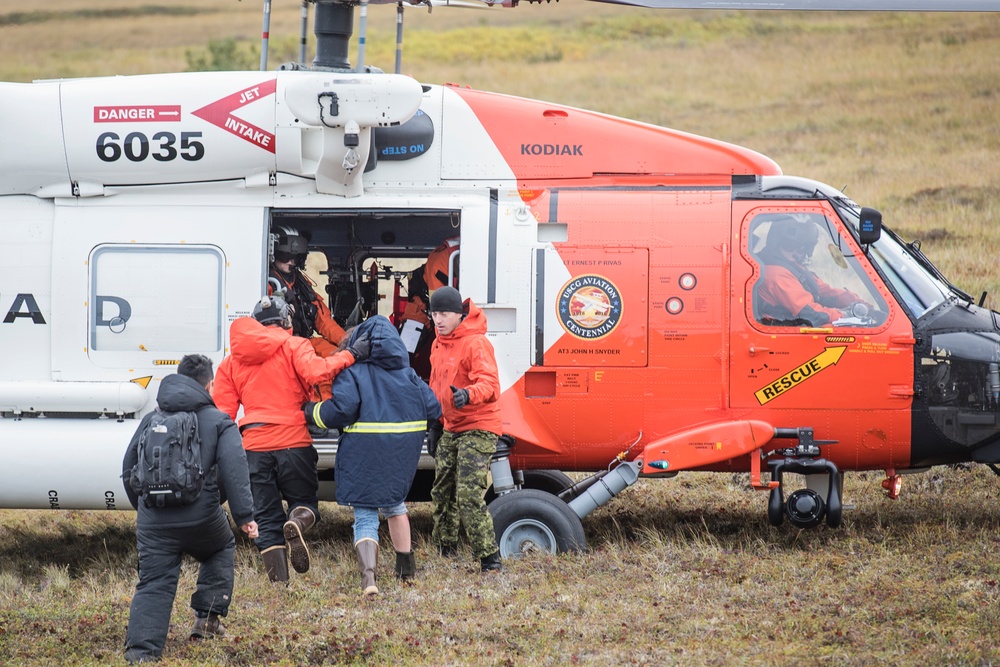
x=462, y=462
x=465, y=379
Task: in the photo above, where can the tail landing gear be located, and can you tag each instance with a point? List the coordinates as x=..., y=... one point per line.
x=805, y=508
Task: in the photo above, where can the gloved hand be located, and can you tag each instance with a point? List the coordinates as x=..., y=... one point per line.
x=434, y=430
x=308, y=408
x=361, y=349
x=460, y=396
x=858, y=309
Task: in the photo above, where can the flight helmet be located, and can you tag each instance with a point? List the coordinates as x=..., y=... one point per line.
x=799, y=238
x=289, y=244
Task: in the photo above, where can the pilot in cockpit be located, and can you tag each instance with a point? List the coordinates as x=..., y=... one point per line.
x=788, y=293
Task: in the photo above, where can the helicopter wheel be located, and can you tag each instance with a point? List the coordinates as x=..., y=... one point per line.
x=530, y=520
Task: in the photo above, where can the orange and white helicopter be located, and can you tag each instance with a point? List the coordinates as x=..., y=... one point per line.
x=631, y=276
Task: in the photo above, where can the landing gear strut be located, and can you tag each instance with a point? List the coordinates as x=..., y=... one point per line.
x=805, y=508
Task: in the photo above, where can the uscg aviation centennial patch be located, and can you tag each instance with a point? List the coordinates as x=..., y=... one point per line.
x=590, y=307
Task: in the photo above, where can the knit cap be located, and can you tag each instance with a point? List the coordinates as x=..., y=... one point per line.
x=446, y=300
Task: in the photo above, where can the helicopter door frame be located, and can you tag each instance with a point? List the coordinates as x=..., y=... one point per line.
x=795, y=368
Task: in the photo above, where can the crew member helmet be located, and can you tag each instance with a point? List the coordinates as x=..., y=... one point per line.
x=289, y=244
x=274, y=310
x=787, y=233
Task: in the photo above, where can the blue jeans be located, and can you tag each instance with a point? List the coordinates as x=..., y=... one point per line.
x=366, y=520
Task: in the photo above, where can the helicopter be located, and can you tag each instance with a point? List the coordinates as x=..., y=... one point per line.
x=623, y=269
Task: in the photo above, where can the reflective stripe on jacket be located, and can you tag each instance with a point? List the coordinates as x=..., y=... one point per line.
x=382, y=407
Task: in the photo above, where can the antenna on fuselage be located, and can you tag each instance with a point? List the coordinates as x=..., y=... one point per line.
x=363, y=30
x=399, y=36
x=265, y=33
x=304, y=32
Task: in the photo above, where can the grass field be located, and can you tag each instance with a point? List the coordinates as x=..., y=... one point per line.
x=901, y=110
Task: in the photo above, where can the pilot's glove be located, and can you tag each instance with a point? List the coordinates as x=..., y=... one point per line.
x=309, y=408
x=361, y=349
x=434, y=430
x=460, y=396
x=858, y=309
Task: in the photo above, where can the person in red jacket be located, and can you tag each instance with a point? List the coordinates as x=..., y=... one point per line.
x=272, y=373
x=465, y=379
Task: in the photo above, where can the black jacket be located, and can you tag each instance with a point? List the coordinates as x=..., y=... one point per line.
x=222, y=457
x=383, y=407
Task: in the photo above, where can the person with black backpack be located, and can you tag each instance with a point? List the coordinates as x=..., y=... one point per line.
x=184, y=460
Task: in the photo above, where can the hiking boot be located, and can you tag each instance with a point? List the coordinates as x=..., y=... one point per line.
x=208, y=626
x=492, y=562
x=367, y=550
x=406, y=565
x=300, y=519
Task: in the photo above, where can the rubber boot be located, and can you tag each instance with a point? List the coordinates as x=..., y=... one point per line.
x=492, y=562
x=367, y=549
x=406, y=565
x=300, y=519
x=276, y=563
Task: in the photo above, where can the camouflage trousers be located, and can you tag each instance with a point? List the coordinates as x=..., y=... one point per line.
x=463, y=460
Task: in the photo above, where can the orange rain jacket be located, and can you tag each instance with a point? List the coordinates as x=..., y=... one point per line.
x=271, y=373
x=464, y=358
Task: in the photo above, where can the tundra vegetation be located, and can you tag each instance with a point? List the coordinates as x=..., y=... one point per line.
x=900, y=110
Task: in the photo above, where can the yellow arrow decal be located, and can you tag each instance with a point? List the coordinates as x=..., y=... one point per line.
x=143, y=381
x=827, y=357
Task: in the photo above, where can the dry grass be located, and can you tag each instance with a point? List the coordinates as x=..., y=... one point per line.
x=902, y=109
x=680, y=572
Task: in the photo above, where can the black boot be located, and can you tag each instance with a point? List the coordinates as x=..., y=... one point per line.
x=300, y=519
x=492, y=562
x=448, y=550
x=406, y=565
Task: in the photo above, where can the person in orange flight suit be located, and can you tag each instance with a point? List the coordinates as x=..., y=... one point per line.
x=788, y=291
x=311, y=314
x=424, y=281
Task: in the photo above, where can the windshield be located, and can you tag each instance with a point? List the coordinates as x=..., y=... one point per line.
x=918, y=289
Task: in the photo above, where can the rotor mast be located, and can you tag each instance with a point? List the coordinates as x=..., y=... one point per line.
x=333, y=27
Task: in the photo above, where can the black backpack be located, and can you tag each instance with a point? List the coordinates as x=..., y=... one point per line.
x=169, y=471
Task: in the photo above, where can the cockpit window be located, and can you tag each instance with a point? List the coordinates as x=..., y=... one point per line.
x=809, y=275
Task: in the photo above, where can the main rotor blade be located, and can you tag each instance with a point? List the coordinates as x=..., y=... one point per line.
x=823, y=5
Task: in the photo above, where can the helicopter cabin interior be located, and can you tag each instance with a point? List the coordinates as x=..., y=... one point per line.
x=367, y=262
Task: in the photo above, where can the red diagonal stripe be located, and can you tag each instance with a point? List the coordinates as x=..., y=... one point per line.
x=219, y=113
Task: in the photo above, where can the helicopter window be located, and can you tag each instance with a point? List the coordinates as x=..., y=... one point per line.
x=809, y=275
x=135, y=309
x=917, y=288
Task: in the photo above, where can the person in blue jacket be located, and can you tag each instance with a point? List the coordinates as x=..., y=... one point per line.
x=382, y=408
